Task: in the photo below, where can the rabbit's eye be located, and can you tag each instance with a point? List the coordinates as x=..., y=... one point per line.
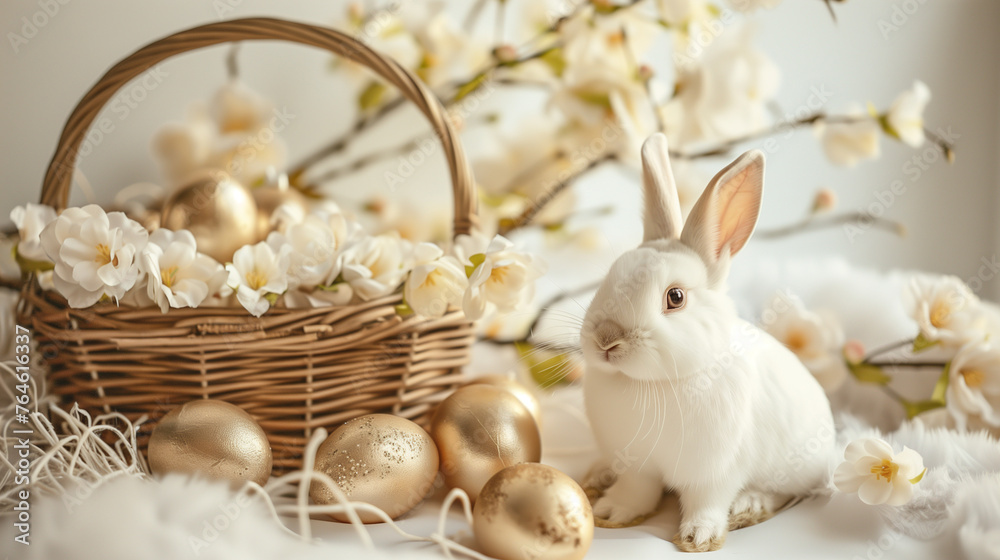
x=673, y=299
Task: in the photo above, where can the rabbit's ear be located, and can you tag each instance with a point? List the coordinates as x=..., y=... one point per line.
x=726, y=213
x=662, y=217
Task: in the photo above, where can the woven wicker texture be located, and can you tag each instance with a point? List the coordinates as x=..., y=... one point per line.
x=294, y=370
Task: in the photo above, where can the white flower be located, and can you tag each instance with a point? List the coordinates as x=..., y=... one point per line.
x=236, y=108
x=815, y=338
x=945, y=310
x=383, y=30
x=751, y=5
x=95, y=254
x=448, y=54
x=236, y=132
x=974, y=384
x=312, y=251
x=694, y=19
x=435, y=282
x=723, y=93
x=906, y=114
x=30, y=220
x=177, y=274
x=181, y=149
x=375, y=266
x=258, y=275
x=316, y=244
x=500, y=276
x=876, y=474
x=847, y=143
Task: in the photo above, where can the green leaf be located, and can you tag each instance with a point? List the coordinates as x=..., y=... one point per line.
x=272, y=297
x=867, y=373
x=555, y=60
x=476, y=260
x=598, y=99
x=335, y=287
x=372, y=96
x=922, y=343
x=913, y=408
x=546, y=370
x=941, y=387
x=883, y=121
x=28, y=265
x=404, y=310
x=919, y=477
x=472, y=85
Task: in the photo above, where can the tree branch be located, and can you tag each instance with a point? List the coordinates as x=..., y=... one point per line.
x=536, y=206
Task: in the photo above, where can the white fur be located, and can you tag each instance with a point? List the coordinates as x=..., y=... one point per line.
x=132, y=518
x=695, y=399
x=958, y=499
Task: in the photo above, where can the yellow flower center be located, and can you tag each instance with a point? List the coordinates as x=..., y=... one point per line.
x=796, y=340
x=256, y=279
x=973, y=377
x=431, y=279
x=104, y=255
x=498, y=275
x=939, y=314
x=887, y=470
x=168, y=276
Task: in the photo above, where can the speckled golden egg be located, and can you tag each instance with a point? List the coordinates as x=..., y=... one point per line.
x=480, y=430
x=384, y=460
x=523, y=394
x=533, y=511
x=218, y=211
x=212, y=438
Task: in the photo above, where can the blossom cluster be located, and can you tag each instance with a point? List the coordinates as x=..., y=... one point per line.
x=313, y=259
x=607, y=81
x=962, y=329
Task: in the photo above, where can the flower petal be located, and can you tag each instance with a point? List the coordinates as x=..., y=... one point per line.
x=875, y=491
x=846, y=480
x=902, y=492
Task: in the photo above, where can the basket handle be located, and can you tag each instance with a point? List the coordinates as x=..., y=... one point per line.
x=55, y=187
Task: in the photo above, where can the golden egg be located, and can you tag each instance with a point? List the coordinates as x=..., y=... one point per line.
x=269, y=198
x=218, y=211
x=523, y=394
x=212, y=438
x=381, y=459
x=480, y=430
x=533, y=511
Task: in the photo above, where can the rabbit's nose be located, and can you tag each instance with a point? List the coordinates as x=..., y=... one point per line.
x=610, y=348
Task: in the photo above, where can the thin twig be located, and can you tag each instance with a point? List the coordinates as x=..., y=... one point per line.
x=338, y=144
x=546, y=306
x=232, y=64
x=885, y=349
x=536, y=206
x=723, y=147
x=362, y=162
x=906, y=364
x=810, y=224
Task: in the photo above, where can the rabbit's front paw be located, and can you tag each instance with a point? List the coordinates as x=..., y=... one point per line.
x=750, y=508
x=627, y=502
x=700, y=535
x=598, y=480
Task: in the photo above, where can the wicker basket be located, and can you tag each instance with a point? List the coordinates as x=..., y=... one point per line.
x=294, y=370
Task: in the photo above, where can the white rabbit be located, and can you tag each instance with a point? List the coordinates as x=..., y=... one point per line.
x=681, y=393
